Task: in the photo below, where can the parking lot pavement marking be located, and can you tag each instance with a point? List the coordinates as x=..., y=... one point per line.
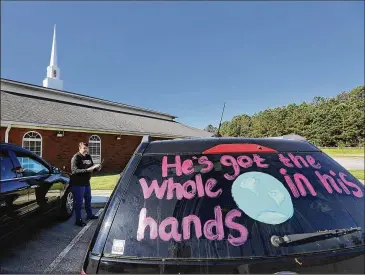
x=59, y=258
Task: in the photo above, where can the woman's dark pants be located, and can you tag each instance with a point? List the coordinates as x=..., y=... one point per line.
x=80, y=193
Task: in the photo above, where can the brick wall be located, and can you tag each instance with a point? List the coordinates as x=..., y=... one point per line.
x=59, y=150
x=2, y=134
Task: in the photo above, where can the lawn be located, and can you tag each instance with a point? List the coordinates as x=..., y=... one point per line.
x=107, y=182
x=344, y=151
x=358, y=174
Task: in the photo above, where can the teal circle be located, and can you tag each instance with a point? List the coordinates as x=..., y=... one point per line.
x=262, y=197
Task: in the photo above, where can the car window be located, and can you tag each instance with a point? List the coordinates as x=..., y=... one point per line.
x=229, y=206
x=6, y=166
x=30, y=165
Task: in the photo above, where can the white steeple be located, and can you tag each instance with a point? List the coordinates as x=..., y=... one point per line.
x=53, y=61
x=53, y=72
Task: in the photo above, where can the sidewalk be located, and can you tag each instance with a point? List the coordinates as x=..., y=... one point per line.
x=100, y=197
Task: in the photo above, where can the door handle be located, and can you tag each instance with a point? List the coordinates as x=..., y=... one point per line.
x=34, y=186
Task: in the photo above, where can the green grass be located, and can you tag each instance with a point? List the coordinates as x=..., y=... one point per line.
x=344, y=151
x=107, y=182
x=358, y=174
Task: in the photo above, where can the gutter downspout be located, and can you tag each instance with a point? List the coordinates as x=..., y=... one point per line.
x=7, y=133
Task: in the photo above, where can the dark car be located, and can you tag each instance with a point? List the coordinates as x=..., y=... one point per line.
x=231, y=205
x=30, y=187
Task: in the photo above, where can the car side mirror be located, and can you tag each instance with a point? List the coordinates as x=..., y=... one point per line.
x=18, y=170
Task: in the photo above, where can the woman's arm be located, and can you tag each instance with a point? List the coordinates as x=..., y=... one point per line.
x=75, y=166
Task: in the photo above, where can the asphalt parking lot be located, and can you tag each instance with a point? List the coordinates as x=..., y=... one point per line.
x=54, y=247
x=49, y=247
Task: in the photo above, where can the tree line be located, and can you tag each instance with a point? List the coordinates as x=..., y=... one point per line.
x=326, y=122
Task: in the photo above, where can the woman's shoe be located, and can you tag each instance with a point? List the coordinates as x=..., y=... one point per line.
x=80, y=223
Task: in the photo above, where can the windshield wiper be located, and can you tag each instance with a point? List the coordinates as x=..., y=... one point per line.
x=310, y=237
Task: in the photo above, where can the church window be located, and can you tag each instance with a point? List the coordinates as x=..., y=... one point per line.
x=95, y=148
x=32, y=141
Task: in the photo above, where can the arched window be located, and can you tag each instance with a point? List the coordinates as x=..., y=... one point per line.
x=32, y=141
x=95, y=148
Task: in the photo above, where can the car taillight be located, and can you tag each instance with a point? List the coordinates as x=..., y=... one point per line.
x=238, y=148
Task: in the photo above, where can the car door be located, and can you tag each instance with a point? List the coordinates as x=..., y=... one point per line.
x=14, y=191
x=36, y=172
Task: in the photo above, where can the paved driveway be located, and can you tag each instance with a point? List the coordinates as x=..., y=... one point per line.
x=351, y=163
x=48, y=247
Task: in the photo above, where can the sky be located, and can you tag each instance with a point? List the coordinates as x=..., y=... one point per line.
x=188, y=58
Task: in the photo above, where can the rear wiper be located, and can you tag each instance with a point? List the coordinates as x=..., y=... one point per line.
x=310, y=237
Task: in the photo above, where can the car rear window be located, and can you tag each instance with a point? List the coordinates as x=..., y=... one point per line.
x=220, y=206
x=6, y=166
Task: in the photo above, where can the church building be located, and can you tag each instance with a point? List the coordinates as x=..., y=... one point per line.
x=51, y=122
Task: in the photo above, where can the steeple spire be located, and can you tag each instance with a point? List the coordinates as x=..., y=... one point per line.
x=53, y=61
x=53, y=72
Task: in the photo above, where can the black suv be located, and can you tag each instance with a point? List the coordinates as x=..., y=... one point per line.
x=231, y=205
x=29, y=187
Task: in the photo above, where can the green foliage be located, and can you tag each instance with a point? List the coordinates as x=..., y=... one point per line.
x=328, y=122
x=211, y=129
x=358, y=174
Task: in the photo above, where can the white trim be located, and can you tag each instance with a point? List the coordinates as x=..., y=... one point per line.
x=33, y=139
x=67, y=249
x=96, y=142
x=99, y=139
x=34, y=90
x=49, y=127
x=7, y=133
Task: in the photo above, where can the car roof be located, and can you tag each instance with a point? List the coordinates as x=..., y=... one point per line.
x=5, y=145
x=10, y=146
x=199, y=145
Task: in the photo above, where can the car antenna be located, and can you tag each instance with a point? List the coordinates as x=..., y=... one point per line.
x=220, y=122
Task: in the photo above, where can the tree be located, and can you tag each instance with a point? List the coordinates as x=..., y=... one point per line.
x=211, y=129
x=225, y=129
x=324, y=121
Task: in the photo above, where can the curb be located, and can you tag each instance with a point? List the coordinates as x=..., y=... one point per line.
x=98, y=201
x=98, y=204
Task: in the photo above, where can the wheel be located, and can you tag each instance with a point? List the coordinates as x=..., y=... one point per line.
x=67, y=205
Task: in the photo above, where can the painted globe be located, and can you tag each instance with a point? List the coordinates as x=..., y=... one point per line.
x=262, y=197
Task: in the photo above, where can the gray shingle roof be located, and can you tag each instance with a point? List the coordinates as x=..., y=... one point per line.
x=41, y=111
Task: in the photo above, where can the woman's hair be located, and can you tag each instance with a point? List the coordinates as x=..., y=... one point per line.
x=82, y=144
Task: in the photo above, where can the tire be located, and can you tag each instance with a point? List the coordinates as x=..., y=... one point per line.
x=67, y=205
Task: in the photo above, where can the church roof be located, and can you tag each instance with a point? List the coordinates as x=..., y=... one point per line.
x=51, y=93
x=22, y=108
